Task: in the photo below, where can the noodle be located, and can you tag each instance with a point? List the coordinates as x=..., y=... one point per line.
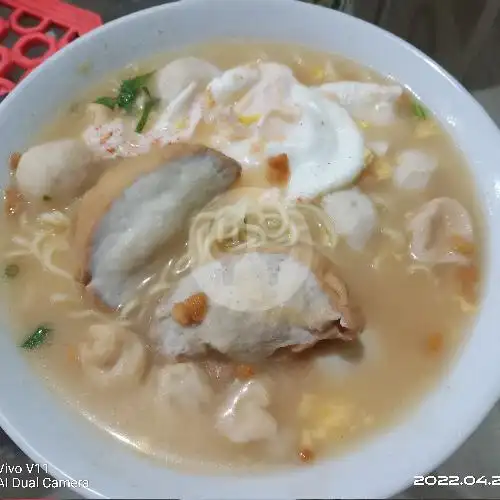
x=251, y=224
x=51, y=237
x=248, y=224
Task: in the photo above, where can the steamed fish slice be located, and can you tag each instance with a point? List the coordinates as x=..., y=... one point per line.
x=140, y=205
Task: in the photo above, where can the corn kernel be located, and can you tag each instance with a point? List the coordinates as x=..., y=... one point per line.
x=181, y=124
x=426, y=128
x=368, y=157
x=249, y=119
x=383, y=170
x=462, y=245
x=210, y=99
x=319, y=74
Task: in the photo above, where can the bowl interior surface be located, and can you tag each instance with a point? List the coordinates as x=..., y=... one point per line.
x=52, y=434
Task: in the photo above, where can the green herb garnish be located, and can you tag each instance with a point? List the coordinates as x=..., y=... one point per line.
x=126, y=99
x=148, y=107
x=419, y=111
x=109, y=102
x=129, y=91
x=46, y=197
x=11, y=271
x=37, y=338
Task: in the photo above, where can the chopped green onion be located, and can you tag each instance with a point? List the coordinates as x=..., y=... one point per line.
x=37, y=338
x=419, y=111
x=126, y=99
x=148, y=107
x=46, y=197
x=129, y=91
x=109, y=102
x=11, y=271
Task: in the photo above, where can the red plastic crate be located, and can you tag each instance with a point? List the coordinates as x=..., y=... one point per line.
x=36, y=24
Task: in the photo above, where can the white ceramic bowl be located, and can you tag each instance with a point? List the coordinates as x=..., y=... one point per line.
x=53, y=434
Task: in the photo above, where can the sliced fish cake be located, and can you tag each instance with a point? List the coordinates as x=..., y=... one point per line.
x=139, y=205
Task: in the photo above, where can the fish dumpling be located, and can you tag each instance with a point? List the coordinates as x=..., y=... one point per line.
x=440, y=230
x=54, y=169
x=353, y=215
x=112, y=355
x=244, y=416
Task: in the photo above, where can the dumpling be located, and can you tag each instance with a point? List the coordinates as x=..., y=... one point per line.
x=233, y=84
x=244, y=416
x=353, y=215
x=366, y=101
x=255, y=304
x=176, y=76
x=112, y=355
x=441, y=229
x=138, y=205
x=183, y=385
x=55, y=169
x=414, y=169
x=178, y=121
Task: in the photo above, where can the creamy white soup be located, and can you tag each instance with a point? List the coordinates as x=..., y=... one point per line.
x=242, y=255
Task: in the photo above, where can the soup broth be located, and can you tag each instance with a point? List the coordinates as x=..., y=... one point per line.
x=324, y=400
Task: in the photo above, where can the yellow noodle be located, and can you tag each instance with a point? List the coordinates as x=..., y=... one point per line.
x=248, y=224
x=49, y=238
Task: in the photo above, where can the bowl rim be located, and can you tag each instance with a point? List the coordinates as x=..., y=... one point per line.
x=471, y=415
